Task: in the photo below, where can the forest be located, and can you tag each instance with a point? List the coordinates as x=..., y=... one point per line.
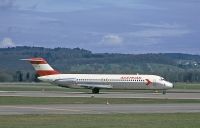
x=175, y=67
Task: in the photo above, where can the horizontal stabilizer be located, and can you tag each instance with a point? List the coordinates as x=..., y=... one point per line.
x=39, y=60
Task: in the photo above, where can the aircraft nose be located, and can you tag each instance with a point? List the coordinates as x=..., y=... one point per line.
x=169, y=84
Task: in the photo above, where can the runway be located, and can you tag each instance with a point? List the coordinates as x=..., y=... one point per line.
x=172, y=95
x=98, y=109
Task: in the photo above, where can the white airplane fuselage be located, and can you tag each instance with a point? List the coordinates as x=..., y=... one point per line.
x=110, y=81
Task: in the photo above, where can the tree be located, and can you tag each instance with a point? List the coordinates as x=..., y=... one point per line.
x=19, y=76
x=27, y=76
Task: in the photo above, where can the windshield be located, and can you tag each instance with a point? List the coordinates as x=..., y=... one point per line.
x=162, y=78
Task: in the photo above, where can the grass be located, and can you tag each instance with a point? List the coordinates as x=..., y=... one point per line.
x=187, y=85
x=177, y=120
x=11, y=100
x=36, y=87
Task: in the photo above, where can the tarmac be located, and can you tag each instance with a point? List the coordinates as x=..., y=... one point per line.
x=171, y=95
x=98, y=109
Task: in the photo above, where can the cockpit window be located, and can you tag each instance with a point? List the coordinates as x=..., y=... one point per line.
x=162, y=78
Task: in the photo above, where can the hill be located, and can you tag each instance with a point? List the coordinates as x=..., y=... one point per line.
x=172, y=66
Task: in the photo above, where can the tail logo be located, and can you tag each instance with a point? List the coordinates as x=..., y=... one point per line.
x=148, y=82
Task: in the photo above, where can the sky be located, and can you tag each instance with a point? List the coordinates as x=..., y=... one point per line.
x=113, y=26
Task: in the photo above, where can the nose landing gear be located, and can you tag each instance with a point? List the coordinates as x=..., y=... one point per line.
x=95, y=90
x=164, y=92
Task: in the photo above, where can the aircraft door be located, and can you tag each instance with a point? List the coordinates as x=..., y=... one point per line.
x=154, y=83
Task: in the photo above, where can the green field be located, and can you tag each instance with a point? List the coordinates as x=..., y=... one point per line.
x=187, y=85
x=36, y=87
x=9, y=100
x=178, y=120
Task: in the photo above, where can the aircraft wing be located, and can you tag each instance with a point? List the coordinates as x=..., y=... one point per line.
x=70, y=81
x=67, y=81
x=103, y=86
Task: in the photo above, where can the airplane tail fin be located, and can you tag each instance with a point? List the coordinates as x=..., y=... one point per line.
x=42, y=67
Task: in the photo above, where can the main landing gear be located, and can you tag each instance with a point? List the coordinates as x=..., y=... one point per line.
x=164, y=92
x=95, y=90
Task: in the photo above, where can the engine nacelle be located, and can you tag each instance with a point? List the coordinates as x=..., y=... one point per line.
x=70, y=82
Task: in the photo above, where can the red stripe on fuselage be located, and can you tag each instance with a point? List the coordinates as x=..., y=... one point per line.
x=47, y=72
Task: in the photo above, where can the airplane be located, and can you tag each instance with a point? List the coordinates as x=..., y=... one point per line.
x=95, y=82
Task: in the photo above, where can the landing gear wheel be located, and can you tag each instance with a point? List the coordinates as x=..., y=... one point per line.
x=164, y=92
x=95, y=90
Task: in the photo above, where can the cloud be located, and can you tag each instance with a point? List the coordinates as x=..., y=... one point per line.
x=151, y=34
x=160, y=30
x=7, y=4
x=24, y=5
x=7, y=42
x=158, y=33
x=159, y=25
x=112, y=39
x=34, y=6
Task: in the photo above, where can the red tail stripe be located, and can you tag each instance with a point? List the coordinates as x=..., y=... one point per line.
x=45, y=72
x=38, y=62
